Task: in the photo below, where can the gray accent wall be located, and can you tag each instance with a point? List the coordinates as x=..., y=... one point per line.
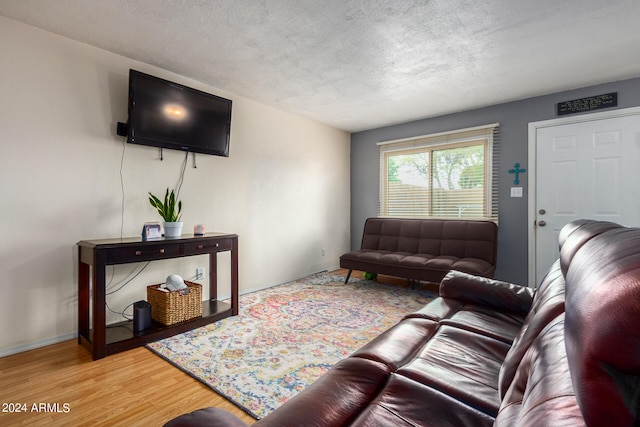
x=514, y=118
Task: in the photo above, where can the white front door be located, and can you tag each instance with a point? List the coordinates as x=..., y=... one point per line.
x=583, y=167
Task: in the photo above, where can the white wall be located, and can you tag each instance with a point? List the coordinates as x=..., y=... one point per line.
x=284, y=189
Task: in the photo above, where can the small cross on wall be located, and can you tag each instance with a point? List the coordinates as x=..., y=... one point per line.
x=516, y=170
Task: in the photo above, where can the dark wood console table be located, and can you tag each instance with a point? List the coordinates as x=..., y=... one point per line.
x=95, y=255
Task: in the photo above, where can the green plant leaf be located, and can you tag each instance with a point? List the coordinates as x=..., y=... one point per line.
x=167, y=210
x=153, y=200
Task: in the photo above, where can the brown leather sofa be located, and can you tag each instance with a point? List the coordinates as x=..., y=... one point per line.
x=424, y=249
x=488, y=352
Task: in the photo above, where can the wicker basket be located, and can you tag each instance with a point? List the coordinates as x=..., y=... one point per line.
x=173, y=307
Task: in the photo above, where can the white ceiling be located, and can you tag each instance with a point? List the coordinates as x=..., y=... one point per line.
x=361, y=64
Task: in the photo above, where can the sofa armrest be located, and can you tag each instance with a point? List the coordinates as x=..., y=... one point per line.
x=502, y=296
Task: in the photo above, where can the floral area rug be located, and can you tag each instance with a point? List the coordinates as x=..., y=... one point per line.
x=287, y=336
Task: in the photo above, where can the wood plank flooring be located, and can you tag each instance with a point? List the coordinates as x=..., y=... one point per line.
x=135, y=387
x=132, y=388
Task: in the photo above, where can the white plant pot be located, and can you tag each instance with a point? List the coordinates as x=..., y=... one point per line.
x=172, y=229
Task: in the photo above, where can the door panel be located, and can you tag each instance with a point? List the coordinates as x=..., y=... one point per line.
x=584, y=170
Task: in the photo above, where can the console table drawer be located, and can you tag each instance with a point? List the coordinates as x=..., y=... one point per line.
x=208, y=246
x=142, y=253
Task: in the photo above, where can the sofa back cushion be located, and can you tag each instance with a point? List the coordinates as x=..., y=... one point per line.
x=548, y=303
x=602, y=331
x=549, y=299
x=575, y=234
x=457, y=238
x=541, y=393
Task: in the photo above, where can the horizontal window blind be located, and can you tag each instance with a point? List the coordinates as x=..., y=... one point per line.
x=446, y=175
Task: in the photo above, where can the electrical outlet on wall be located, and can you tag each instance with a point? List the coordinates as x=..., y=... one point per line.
x=199, y=273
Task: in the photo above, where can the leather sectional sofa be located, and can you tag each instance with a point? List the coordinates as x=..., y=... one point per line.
x=487, y=352
x=424, y=249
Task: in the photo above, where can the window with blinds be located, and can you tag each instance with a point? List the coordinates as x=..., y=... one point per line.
x=446, y=175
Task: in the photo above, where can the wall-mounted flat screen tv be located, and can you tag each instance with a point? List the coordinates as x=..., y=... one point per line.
x=169, y=115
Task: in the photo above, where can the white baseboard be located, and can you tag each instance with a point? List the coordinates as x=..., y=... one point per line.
x=271, y=285
x=37, y=344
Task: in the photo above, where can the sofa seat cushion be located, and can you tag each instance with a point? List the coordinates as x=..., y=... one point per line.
x=488, y=322
x=444, y=359
x=407, y=403
x=461, y=364
x=503, y=326
x=374, y=259
x=399, y=344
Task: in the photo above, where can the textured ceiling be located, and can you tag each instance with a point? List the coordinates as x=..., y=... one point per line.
x=361, y=64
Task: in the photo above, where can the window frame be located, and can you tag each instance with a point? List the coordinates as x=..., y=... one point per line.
x=487, y=136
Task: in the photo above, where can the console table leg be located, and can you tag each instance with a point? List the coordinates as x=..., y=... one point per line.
x=99, y=316
x=213, y=275
x=84, y=328
x=234, y=278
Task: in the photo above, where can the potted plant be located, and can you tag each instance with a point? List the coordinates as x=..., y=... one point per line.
x=170, y=211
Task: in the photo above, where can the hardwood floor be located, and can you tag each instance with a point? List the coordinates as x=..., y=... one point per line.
x=135, y=387
x=132, y=388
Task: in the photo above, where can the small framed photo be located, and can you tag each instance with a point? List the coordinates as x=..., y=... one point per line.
x=151, y=231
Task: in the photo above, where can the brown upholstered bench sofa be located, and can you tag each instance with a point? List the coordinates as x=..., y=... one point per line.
x=488, y=352
x=424, y=249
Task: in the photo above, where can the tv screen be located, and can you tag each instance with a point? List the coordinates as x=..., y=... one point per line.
x=169, y=115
